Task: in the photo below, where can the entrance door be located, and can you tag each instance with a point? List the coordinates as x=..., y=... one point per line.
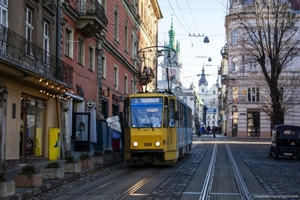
x=22, y=135
x=234, y=124
x=31, y=127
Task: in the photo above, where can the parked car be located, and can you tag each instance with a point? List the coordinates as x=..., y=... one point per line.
x=285, y=141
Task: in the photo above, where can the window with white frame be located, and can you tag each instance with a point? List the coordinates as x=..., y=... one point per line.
x=103, y=59
x=116, y=24
x=91, y=63
x=46, y=43
x=3, y=12
x=3, y=21
x=126, y=84
x=29, y=29
x=252, y=66
x=80, y=51
x=234, y=67
x=116, y=75
x=234, y=37
x=69, y=43
x=134, y=45
x=253, y=94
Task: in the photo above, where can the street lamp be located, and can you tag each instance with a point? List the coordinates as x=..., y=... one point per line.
x=4, y=93
x=214, y=132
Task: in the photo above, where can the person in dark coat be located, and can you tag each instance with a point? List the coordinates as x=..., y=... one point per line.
x=208, y=129
x=256, y=133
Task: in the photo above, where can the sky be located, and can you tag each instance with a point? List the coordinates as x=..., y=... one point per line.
x=204, y=17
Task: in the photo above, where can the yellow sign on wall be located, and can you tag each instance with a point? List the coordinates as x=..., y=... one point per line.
x=54, y=143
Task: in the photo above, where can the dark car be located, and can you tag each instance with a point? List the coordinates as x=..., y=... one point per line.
x=285, y=141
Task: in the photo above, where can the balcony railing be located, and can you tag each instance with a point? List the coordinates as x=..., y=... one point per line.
x=92, y=18
x=26, y=56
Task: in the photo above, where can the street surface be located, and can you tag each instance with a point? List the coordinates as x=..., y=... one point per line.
x=216, y=168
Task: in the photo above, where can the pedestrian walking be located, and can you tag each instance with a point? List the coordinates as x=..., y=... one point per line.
x=202, y=130
x=256, y=133
x=208, y=129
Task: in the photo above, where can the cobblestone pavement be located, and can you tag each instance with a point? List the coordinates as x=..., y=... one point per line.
x=279, y=177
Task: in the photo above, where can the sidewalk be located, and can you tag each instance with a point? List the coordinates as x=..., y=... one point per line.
x=23, y=193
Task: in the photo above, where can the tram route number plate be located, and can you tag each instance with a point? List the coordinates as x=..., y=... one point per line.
x=147, y=144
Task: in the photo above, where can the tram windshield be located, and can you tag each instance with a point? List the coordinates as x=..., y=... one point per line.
x=146, y=112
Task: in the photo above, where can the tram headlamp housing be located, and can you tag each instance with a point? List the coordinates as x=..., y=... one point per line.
x=135, y=144
x=157, y=143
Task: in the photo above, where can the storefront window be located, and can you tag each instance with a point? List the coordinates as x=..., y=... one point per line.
x=34, y=133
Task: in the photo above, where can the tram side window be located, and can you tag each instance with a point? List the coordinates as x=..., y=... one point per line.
x=172, y=112
x=179, y=108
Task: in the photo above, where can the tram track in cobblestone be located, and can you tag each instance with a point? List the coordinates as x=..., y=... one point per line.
x=220, y=177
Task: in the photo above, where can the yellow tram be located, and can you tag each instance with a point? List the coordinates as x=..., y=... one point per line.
x=158, y=128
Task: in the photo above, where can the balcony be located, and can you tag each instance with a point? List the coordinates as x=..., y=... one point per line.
x=92, y=18
x=147, y=76
x=29, y=64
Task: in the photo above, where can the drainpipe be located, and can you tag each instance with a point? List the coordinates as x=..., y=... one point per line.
x=58, y=36
x=58, y=75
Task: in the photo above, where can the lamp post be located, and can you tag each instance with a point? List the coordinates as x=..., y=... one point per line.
x=214, y=131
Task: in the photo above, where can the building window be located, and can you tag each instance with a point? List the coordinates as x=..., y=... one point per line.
x=29, y=28
x=46, y=39
x=214, y=92
x=253, y=94
x=80, y=51
x=116, y=81
x=126, y=84
x=105, y=108
x=234, y=37
x=134, y=46
x=132, y=87
x=115, y=110
x=235, y=94
x=103, y=58
x=248, y=1
x=253, y=121
x=69, y=43
x=184, y=99
x=91, y=64
x=126, y=37
x=3, y=12
x=252, y=65
x=3, y=21
x=116, y=24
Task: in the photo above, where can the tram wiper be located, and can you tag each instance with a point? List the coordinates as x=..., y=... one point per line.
x=136, y=119
x=150, y=121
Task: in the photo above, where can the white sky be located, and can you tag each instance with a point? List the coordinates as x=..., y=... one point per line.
x=200, y=17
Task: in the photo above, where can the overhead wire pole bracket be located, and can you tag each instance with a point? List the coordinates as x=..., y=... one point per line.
x=158, y=50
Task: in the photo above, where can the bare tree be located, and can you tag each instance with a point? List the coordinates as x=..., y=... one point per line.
x=269, y=35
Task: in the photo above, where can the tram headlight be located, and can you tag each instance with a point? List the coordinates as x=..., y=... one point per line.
x=157, y=143
x=135, y=144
